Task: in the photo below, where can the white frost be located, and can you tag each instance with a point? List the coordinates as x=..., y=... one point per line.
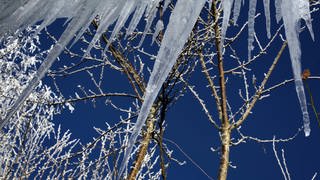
x=17, y=15
x=70, y=107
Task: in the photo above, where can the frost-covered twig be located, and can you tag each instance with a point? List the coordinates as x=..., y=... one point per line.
x=188, y=157
x=283, y=169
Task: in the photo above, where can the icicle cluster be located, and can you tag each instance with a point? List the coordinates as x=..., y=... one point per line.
x=19, y=14
x=291, y=11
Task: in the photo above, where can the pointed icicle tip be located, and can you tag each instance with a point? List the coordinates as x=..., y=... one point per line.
x=307, y=133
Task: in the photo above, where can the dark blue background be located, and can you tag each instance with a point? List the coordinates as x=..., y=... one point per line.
x=278, y=115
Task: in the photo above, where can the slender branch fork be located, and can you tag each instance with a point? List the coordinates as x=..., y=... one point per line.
x=225, y=127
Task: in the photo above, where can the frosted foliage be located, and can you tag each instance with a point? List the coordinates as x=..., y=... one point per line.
x=22, y=140
x=180, y=26
x=32, y=146
x=25, y=13
x=292, y=12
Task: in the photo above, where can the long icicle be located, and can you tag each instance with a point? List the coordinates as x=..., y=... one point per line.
x=266, y=4
x=227, y=7
x=180, y=25
x=251, y=15
x=292, y=12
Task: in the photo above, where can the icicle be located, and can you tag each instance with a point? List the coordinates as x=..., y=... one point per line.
x=159, y=27
x=108, y=13
x=277, y=4
x=227, y=6
x=180, y=26
x=292, y=12
x=52, y=14
x=24, y=13
x=89, y=7
x=151, y=14
x=304, y=10
x=136, y=17
x=18, y=15
x=266, y=4
x=129, y=6
x=303, y=103
x=7, y=7
x=236, y=10
x=66, y=37
x=251, y=16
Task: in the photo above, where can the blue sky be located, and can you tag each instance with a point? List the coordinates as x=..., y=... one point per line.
x=278, y=115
